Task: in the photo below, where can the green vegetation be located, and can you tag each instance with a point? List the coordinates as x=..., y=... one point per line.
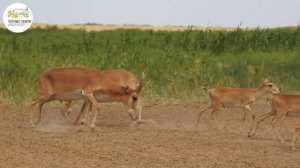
x=178, y=63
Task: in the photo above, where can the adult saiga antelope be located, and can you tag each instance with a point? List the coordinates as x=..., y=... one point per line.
x=224, y=97
x=282, y=105
x=123, y=78
x=68, y=84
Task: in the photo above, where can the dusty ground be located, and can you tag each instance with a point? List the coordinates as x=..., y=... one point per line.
x=167, y=139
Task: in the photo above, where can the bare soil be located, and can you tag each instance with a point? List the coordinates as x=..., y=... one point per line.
x=167, y=138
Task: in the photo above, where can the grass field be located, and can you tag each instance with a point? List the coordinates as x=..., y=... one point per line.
x=179, y=63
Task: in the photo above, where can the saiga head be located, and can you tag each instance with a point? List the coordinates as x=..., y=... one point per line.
x=269, y=87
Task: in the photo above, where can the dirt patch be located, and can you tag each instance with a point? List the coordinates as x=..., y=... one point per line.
x=167, y=138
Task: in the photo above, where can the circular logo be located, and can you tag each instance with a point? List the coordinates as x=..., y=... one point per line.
x=17, y=17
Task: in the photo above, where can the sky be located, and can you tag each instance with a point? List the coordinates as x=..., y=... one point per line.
x=205, y=13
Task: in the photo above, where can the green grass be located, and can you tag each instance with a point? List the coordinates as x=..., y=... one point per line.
x=178, y=63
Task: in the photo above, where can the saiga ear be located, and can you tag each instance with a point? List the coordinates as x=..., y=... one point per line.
x=265, y=81
x=127, y=90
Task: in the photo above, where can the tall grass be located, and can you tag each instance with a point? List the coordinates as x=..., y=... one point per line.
x=178, y=63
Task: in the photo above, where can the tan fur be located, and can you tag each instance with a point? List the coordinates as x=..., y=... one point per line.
x=224, y=97
x=282, y=105
x=123, y=78
x=68, y=84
